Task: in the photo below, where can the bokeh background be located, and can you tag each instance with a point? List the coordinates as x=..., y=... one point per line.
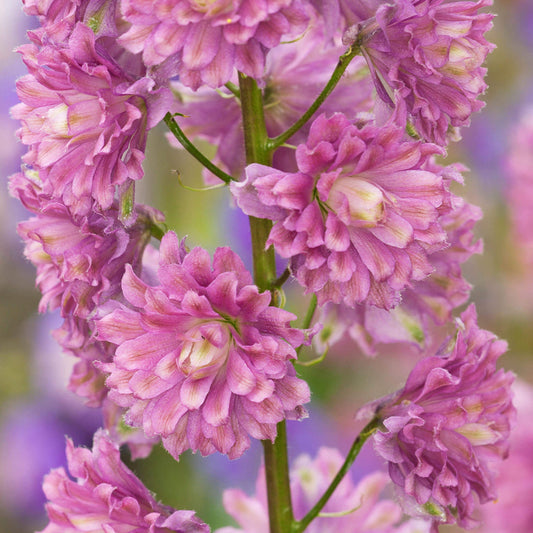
x=36, y=411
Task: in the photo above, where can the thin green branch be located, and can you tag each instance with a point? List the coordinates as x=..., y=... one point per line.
x=198, y=189
x=308, y=318
x=342, y=65
x=310, y=312
x=276, y=284
x=232, y=88
x=368, y=430
x=183, y=139
x=314, y=361
x=340, y=514
x=278, y=483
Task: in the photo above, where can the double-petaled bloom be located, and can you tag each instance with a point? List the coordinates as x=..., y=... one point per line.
x=207, y=40
x=80, y=260
x=106, y=496
x=202, y=359
x=445, y=433
x=85, y=121
x=360, y=216
x=428, y=54
x=426, y=305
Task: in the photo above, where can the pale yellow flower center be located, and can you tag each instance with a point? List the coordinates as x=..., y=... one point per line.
x=365, y=201
x=199, y=357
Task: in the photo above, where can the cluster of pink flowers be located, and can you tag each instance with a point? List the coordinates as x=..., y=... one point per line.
x=186, y=348
x=202, y=359
x=85, y=110
x=83, y=119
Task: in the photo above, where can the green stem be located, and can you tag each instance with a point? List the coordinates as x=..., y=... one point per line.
x=255, y=140
x=182, y=138
x=310, y=312
x=253, y=121
x=367, y=431
x=158, y=231
x=342, y=65
x=281, y=280
x=257, y=151
x=264, y=260
x=278, y=482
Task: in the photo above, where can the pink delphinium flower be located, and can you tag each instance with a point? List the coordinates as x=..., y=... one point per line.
x=445, y=433
x=107, y=496
x=208, y=39
x=359, y=218
x=216, y=117
x=202, y=359
x=430, y=53
x=84, y=120
x=425, y=304
x=309, y=479
x=80, y=259
x=512, y=512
